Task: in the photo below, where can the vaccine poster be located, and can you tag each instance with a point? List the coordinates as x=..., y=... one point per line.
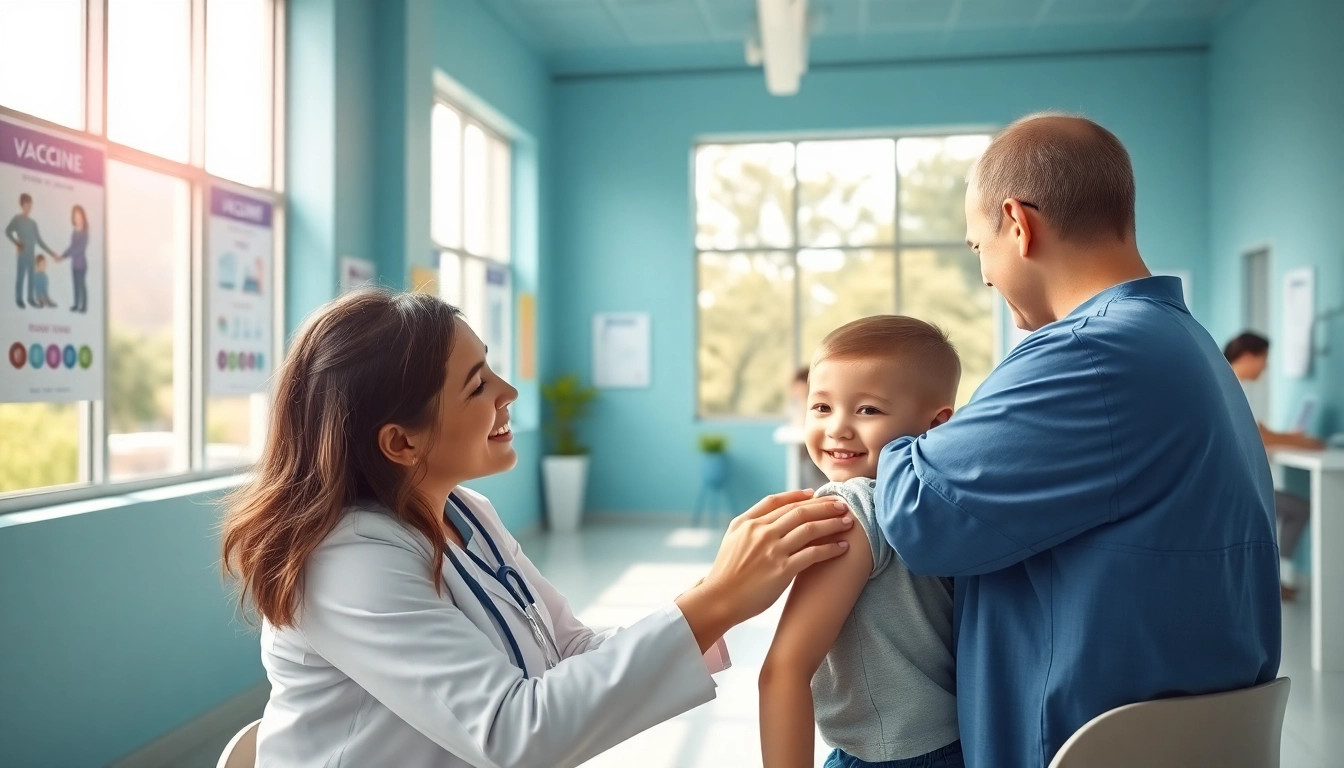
x=52, y=255
x=239, y=254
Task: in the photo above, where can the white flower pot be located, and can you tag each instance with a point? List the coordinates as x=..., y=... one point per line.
x=566, y=479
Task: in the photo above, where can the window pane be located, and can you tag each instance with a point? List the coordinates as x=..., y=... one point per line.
x=473, y=294
x=476, y=192
x=235, y=430
x=839, y=286
x=149, y=75
x=743, y=196
x=446, y=177
x=501, y=208
x=847, y=192
x=746, y=332
x=148, y=248
x=943, y=286
x=39, y=445
x=933, y=186
x=238, y=83
x=42, y=59
x=450, y=278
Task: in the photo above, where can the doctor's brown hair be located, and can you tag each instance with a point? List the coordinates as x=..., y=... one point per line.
x=367, y=359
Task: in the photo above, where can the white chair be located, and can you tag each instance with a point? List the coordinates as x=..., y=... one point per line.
x=1235, y=729
x=242, y=749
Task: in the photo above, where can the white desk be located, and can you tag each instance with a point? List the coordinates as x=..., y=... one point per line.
x=1327, y=552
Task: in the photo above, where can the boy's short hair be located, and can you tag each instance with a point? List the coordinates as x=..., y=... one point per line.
x=25, y=199
x=41, y=259
x=892, y=336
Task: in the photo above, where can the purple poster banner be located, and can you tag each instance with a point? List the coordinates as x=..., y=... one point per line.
x=40, y=151
x=240, y=207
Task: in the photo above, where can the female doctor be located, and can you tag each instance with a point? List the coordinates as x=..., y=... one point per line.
x=401, y=624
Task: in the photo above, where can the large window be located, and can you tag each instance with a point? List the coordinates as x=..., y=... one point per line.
x=470, y=223
x=794, y=239
x=180, y=96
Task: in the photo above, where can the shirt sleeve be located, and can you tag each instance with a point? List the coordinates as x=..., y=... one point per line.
x=858, y=493
x=1027, y=464
x=12, y=230
x=370, y=610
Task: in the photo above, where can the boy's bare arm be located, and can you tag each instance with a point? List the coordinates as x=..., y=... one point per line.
x=818, y=604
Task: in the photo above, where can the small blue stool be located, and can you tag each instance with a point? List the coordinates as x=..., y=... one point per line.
x=713, y=489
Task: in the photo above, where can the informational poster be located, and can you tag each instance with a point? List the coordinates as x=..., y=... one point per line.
x=621, y=354
x=425, y=280
x=356, y=273
x=1299, y=315
x=51, y=208
x=527, y=336
x=499, y=319
x=239, y=257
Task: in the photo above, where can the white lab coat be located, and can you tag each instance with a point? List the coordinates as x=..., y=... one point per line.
x=381, y=670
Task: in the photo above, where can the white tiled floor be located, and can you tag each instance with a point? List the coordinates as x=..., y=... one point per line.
x=617, y=574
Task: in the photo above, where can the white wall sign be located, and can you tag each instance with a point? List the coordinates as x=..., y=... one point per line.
x=51, y=207
x=356, y=273
x=239, y=258
x=1299, y=314
x=621, y=354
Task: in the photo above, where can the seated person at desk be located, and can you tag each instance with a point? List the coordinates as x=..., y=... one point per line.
x=1249, y=354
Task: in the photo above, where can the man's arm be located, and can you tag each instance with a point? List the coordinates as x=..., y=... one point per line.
x=819, y=602
x=37, y=235
x=1030, y=462
x=12, y=232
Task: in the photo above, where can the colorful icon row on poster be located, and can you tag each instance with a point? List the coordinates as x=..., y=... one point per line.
x=240, y=361
x=51, y=356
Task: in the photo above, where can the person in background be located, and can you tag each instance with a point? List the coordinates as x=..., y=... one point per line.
x=864, y=647
x=1103, y=501
x=1248, y=354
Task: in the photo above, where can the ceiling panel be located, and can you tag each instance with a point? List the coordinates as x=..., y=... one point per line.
x=730, y=19
x=975, y=14
x=887, y=16
x=1074, y=11
x=661, y=21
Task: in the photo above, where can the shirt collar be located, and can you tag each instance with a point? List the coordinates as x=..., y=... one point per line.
x=1161, y=288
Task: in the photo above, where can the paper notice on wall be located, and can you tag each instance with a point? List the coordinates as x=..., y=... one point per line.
x=51, y=209
x=1299, y=314
x=356, y=273
x=621, y=354
x=241, y=289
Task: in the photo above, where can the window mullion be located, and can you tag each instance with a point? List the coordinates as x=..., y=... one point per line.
x=797, y=281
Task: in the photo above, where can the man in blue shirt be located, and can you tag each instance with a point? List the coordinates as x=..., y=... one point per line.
x=1104, y=500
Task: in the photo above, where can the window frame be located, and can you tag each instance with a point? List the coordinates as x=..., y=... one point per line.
x=465, y=256
x=896, y=247
x=191, y=396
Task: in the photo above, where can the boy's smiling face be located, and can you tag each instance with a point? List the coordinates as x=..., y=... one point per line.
x=857, y=406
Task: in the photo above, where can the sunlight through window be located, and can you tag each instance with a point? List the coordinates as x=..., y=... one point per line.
x=149, y=76
x=238, y=84
x=42, y=59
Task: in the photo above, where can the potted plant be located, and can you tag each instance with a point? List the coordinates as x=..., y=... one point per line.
x=565, y=470
x=714, y=463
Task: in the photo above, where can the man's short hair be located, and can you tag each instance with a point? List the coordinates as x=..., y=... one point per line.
x=885, y=336
x=1072, y=170
x=1247, y=343
x=25, y=199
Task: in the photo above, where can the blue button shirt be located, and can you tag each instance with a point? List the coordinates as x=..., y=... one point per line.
x=1106, y=505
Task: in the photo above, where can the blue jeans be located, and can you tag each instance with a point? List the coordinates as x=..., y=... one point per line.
x=81, y=290
x=24, y=275
x=944, y=757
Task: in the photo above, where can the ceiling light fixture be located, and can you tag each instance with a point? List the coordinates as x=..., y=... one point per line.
x=782, y=44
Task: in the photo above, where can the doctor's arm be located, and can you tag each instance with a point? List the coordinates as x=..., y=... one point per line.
x=818, y=604
x=1027, y=464
x=375, y=615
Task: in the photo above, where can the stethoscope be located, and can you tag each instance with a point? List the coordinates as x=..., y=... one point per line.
x=513, y=583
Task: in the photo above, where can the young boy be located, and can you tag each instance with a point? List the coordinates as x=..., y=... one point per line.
x=862, y=642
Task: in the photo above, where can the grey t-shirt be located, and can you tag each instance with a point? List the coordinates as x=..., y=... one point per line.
x=887, y=688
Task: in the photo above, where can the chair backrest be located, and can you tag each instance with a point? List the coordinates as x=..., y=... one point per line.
x=242, y=749
x=1235, y=729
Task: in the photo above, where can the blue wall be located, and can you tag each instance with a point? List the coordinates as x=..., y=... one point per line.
x=1277, y=174
x=117, y=626
x=623, y=233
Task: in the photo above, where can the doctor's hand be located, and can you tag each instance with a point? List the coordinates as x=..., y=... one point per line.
x=761, y=553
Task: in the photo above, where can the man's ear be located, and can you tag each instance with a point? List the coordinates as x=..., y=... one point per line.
x=941, y=417
x=398, y=445
x=1015, y=215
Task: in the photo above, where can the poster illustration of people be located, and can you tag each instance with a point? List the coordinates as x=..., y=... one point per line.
x=242, y=300
x=51, y=208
